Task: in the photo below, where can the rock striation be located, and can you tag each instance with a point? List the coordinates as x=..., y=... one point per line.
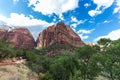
x=21, y=38
x=59, y=33
x=18, y=38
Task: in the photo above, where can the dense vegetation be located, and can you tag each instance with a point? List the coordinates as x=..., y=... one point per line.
x=84, y=63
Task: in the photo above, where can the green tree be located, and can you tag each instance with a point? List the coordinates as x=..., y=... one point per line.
x=63, y=68
x=6, y=51
x=104, y=43
x=88, y=68
x=109, y=61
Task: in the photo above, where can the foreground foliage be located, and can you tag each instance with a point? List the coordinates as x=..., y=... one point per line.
x=85, y=63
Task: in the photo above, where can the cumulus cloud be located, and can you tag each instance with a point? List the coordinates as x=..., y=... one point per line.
x=74, y=25
x=22, y=20
x=101, y=6
x=84, y=33
x=53, y=6
x=61, y=17
x=106, y=21
x=93, y=13
x=117, y=8
x=83, y=37
x=74, y=19
x=50, y=7
x=87, y=5
x=76, y=22
x=114, y=35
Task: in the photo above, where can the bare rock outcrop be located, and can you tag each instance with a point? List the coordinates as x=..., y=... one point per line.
x=3, y=34
x=59, y=33
x=18, y=38
x=21, y=38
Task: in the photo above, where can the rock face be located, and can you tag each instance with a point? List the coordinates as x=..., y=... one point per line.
x=3, y=34
x=21, y=38
x=59, y=33
x=89, y=43
x=18, y=38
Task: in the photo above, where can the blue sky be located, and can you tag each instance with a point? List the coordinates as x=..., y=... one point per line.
x=90, y=19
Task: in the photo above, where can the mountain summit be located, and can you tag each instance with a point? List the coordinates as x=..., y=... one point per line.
x=60, y=34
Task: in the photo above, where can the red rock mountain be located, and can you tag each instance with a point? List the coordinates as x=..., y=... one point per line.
x=18, y=38
x=59, y=33
x=3, y=34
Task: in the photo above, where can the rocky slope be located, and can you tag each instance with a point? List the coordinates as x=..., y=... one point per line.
x=59, y=33
x=18, y=38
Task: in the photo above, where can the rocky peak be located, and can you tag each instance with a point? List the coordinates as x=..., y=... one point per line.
x=59, y=33
x=18, y=38
x=60, y=24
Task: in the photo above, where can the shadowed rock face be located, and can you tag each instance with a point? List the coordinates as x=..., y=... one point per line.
x=3, y=34
x=59, y=33
x=18, y=38
x=3, y=31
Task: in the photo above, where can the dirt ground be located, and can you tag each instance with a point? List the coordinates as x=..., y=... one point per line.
x=16, y=70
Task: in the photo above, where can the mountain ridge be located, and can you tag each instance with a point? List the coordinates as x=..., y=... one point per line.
x=58, y=33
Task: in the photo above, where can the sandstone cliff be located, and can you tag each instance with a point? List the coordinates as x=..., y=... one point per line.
x=59, y=33
x=3, y=34
x=18, y=38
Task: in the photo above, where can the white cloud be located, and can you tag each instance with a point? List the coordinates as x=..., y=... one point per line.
x=87, y=5
x=117, y=9
x=22, y=20
x=93, y=13
x=105, y=4
x=101, y=6
x=31, y=16
x=15, y=1
x=83, y=37
x=91, y=21
x=49, y=7
x=81, y=22
x=114, y=35
x=61, y=17
x=74, y=19
x=76, y=22
x=106, y=21
x=74, y=25
x=84, y=33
